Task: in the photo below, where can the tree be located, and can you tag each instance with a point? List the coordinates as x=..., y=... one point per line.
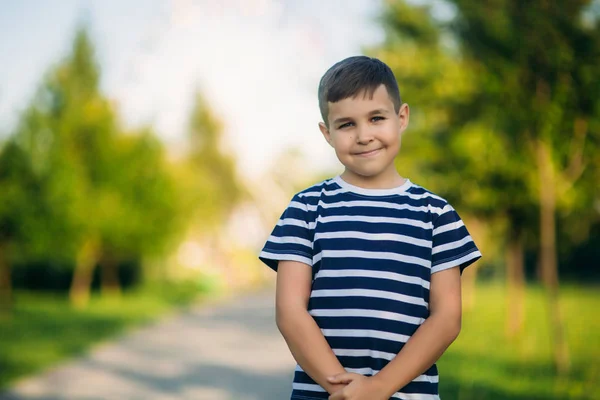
x=538, y=64
x=17, y=184
x=210, y=179
x=105, y=197
x=141, y=214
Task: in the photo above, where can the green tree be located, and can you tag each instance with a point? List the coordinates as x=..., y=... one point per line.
x=141, y=214
x=537, y=70
x=210, y=180
x=17, y=185
x=105, y=196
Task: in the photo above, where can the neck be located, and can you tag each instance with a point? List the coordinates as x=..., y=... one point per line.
x=385, y=180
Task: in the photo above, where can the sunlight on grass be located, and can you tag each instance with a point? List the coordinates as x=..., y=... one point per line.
x=484, y=364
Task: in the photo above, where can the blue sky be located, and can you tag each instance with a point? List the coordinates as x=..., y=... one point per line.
x=257, y=61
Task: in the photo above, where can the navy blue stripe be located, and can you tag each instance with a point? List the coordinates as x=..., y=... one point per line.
x=378, y=265
x=387, y=246
x=289, y=248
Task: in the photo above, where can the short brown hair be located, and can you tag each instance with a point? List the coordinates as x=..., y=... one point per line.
x=354, y=75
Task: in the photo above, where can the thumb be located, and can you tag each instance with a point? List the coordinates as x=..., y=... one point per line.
x=342, y=378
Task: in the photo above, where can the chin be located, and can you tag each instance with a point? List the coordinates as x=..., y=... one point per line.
x=365, y=173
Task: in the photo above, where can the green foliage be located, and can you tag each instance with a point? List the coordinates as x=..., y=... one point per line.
x=76, y=175
x=210, y=171
x=483, y=87
x=537, y=77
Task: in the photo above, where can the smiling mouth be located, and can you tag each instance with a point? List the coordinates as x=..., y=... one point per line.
x=368, y=153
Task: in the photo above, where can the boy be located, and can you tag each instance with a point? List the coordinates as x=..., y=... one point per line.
x=368, y=263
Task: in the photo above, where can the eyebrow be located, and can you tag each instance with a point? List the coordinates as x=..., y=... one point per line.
x=374, y=112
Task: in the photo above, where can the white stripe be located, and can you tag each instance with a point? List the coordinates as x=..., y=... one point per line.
x=308, y=387
x=365, y=273
x=448, y=227
x=361, y=371
x=407, y=194
x=376, y=204
x=447, y=208
x=369, y=293
x=296, y=204
x=371, y=371
x=316, y=258
x=285, y=257
x=451, y=245
x=365, y=333
x=379, y=255
x=375, y=220
x=351, y=312
x=373, y=236
x=293, y=222
x=416, y=396
x=364, y=353
x=296, y=222
x=322, y=192
x=290, y=240
x=454, y=263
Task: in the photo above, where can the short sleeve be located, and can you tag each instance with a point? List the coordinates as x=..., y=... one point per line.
x=291, y=239
x=452, y=243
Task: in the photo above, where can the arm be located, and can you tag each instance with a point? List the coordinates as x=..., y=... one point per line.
x=431, y=339
x=299, y=329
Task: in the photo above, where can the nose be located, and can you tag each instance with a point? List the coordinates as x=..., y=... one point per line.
x=364, y=134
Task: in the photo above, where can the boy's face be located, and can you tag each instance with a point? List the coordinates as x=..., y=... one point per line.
x=366, y=134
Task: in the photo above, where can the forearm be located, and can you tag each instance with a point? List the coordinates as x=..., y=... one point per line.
x=309, y=347
x=420, y=352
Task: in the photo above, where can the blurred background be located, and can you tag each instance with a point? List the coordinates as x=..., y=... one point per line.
x=147, y=148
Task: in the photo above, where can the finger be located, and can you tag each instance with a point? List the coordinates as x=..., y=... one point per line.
x=342, y=378
x=337, y=396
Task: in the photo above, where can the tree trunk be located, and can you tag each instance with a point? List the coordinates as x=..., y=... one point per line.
x=110, y=284
x=548, y=255
x=515, y=280
x=5, y=282
x=87, y=258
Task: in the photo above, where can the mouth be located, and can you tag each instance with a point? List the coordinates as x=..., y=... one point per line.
x=368, y=153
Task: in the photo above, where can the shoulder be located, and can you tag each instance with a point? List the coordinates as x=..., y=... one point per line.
x=435, y=204
x=315, y=191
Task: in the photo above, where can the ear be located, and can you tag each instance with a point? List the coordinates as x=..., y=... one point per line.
x=325, y=133
x=403, y=116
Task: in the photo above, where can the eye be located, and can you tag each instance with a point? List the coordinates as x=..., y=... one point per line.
x=346, y=125
x=377, y=118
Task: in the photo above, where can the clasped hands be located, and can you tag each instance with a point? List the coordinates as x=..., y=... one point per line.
x=358, y=387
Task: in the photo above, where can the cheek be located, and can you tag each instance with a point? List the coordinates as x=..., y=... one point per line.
x=392, y=136
x=343, y=143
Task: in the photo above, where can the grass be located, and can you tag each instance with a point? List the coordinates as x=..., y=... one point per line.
x=484, y=364
x=44, y=329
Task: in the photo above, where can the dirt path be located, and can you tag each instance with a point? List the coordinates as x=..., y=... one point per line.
x=232, y=351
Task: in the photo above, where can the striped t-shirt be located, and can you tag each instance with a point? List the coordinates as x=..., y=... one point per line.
x=372, y=253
